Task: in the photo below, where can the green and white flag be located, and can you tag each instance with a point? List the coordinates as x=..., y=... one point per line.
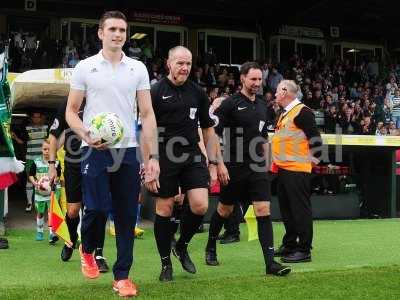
x=8, y=162
x=6, y=146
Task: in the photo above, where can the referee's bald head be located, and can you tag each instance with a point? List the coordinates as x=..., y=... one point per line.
x=172, y=53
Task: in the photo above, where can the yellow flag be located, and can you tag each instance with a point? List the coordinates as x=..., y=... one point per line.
x=63, y=197
x=251, y=221
x=57, y=220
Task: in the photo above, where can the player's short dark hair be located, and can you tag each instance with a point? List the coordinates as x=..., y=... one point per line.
x=112, y=14
x=245, y=68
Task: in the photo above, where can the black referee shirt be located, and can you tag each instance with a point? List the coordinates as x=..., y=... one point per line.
x=72, y=142
x=244, y=124
x=179, y=111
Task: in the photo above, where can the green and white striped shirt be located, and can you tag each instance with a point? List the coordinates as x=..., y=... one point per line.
x=37, y=134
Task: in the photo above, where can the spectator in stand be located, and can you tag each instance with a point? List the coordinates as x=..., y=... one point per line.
x=299, y=95
x=341, y=90
x=70, y=51
x=226, y=92
x=379, y=113
x=210, y=76
x=223, y=78
x=339, y=76
x=30, y=45
x=308, y=99
x=198, y=76
x=269, y=98
x=154, y=75
x=397, y=71
x=392, y=128
x=210, y=57
x=213, y=92
x=371, y=111
x=367, y=126
x=265, y=73
x=394, y=104
x=353, y=76
x=358, y=112
x=274, y=79
x=353, y=91
x=74, y=60
x=335, y=94
x=373, y=69
x=378, y=97
x=381, y=129
x=391, y=86
x=348, y=123
x=231, y=81
x=19, y=38
x=147, y=50
x=316, y=100
x=331, y=118
x=387, y=112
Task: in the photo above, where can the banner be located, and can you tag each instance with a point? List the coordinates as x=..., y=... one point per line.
x=9, y=166
x=6, y=146
x=155, y=18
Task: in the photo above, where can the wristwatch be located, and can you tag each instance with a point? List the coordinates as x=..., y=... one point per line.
x=213, y=162
x=154, y=156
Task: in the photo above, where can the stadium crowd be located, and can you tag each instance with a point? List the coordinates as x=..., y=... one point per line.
x=349, y=99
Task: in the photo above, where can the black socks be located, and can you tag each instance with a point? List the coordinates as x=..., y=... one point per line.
x=190, y=223
x=215, y=228
x=266, y=238
x=72, y=224
x=162, y=234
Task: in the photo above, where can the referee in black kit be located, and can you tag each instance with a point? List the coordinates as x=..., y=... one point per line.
x=180, y=106
x=243, y=118
x=73, y=179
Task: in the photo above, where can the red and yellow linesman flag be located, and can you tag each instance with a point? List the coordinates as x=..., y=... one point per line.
x=57, y=220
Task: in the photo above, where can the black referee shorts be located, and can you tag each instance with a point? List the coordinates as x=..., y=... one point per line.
x=245, y=185
x=189, y=172
x=73, y=182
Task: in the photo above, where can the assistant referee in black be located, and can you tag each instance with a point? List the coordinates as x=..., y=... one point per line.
x=180, y=107
x=243, y=119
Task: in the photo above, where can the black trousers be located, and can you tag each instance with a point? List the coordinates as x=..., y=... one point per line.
x=294, y=191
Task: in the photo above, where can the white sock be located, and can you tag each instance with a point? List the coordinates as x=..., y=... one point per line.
x=39, y=224
x=29, y=192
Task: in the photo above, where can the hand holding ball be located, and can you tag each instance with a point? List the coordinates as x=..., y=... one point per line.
x=107, y=127
x=44, y=186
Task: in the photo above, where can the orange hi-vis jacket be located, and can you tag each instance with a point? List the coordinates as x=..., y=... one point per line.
x=290, y=147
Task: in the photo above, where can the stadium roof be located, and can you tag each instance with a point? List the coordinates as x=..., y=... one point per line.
x=366, y=16
x=375, y=16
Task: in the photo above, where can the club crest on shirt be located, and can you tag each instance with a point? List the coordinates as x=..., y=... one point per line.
x=192, y=114
x=261, y=126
